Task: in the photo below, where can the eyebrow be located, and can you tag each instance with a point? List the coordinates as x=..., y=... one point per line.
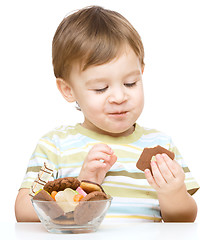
x=102, y=79
x=133, y=73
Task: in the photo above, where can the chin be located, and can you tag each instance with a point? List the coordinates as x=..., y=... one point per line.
x=119, y=131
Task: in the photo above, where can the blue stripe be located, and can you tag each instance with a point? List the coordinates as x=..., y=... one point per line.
x=133, y=210
x=36, y=154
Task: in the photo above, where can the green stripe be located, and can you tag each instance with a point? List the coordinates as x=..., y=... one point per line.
x=136, y=175
x=186, y=169
x=192, y=185
x=110, y=139
x=33, y=169
x=123, y=153
x=44, y=150
x=74, y=158
x=116, y=191
x=26, y=185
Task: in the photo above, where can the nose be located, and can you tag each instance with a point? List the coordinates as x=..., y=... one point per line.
x=118, y=95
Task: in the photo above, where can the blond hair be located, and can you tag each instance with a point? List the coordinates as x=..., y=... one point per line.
x=92, y=36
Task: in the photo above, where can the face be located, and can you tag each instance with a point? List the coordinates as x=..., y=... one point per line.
x=110, y=95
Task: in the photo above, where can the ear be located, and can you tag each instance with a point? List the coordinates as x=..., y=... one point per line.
x=143, y=68
x=65, y=89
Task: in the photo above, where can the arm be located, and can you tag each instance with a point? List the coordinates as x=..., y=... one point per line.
x=93, y=170
x=179, y=207
x=24, y=211
x=168, y=180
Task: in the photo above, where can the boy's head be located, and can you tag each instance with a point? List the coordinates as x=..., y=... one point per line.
x=98, y=62
x=92, y=36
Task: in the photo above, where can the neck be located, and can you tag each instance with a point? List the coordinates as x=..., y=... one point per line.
x=103, y=132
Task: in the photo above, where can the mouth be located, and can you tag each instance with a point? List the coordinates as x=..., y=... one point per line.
x=118, y=114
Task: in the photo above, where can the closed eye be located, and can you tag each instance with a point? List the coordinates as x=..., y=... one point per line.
x=101, y=90
x=130, y=84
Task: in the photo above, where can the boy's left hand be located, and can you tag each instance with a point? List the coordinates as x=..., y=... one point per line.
x=167, y=175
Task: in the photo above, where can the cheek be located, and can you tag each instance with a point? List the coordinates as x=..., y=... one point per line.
x=139, y=97
x=91, y=105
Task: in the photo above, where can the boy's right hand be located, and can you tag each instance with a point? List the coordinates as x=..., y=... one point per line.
x=97, y=163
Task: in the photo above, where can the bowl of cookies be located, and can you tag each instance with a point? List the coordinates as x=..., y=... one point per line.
x=66, y=205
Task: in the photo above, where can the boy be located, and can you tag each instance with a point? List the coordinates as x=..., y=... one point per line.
x=98, y=63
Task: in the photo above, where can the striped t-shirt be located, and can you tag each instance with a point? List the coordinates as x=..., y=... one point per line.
x=133, y=198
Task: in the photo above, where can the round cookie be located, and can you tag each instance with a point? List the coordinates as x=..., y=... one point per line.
x=44, y=201
x=89, y=186
x=61, y=184
x=95, y=196
x=90, y=207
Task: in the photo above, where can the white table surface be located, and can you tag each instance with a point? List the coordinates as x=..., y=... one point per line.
x=149, y=231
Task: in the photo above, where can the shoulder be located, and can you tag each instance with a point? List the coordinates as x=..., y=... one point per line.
x=152, y=132
x=152, y=137
x=61, y=137
x=61, y=132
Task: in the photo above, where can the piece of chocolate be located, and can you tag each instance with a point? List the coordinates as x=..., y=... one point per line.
x=147, y=154
x=89, y=186
x=48, y=204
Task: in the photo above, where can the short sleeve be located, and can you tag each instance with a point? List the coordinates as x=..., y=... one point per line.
x=190, y=182
x=45, y=152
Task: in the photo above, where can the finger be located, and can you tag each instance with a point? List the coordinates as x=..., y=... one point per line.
x=164, y=169
x=101, y=147
x=170, y=163
x=150, y=179
x=98, y=156
x=94, y=166
x=173, y=165
x=110, y=163
x=112, y=160
x=157, y=174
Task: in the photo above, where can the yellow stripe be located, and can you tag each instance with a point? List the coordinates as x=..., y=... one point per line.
x=118, y=191
x=50, y=144
x=85, y=147
x=124, y=145
x=129, y=146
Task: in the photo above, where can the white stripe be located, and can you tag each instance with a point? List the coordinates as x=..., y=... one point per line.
x=129, y=187
x=129, y=148
x=125, y=179
x=151, y=201
x=49, y=147
x=74, y=151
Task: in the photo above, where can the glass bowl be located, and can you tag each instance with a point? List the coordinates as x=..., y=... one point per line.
x=85, y=218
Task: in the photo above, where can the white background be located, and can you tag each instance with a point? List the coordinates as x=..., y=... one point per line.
x=182, y=79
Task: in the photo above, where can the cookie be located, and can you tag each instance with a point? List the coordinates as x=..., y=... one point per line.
x=61, y=184
x=95, y=196
x=89, y=186
x=42, y=195
x=147, y=154
x=41, y=179
x=90, y=207
x=67, y=219
x=48, y=204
